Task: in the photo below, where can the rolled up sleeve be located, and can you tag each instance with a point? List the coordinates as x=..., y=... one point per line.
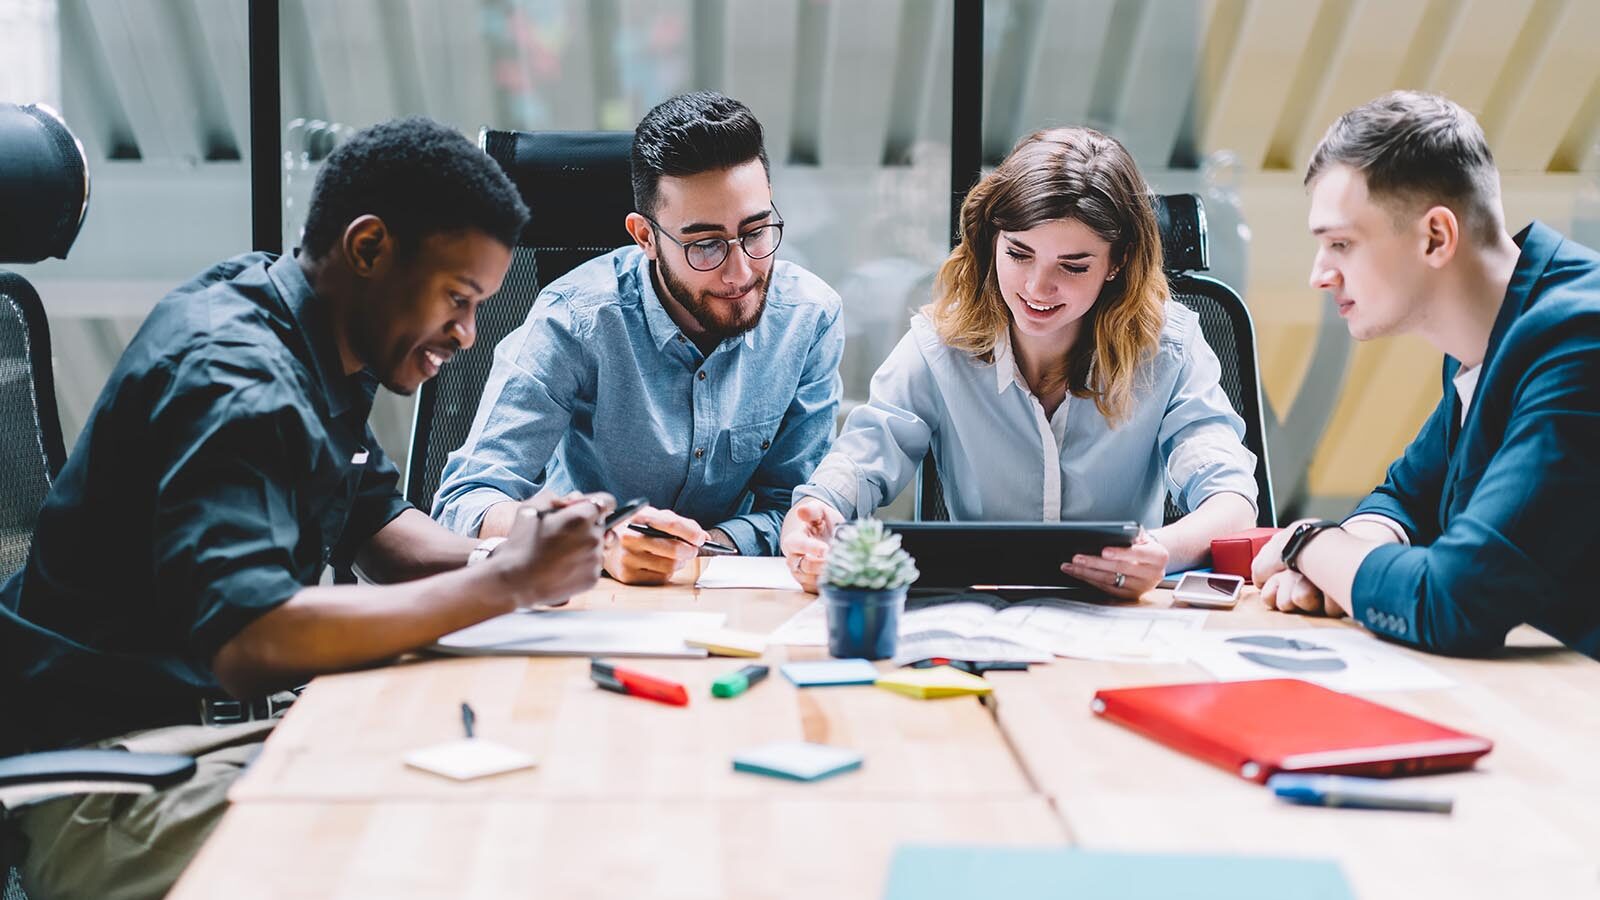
x=1201, y=436
x=225, y=530
x=526, y=407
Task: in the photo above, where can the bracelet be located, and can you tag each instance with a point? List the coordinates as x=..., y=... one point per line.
x=484, y=549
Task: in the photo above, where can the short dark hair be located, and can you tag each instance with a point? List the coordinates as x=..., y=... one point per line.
x=689, y=134
x=421, y=178
x=1418, y=148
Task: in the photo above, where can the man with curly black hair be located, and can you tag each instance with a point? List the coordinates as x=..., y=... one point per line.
x=174, y=582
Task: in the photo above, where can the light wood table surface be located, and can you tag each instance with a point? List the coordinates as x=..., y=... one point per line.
x=638, y=799
x=1526, y=822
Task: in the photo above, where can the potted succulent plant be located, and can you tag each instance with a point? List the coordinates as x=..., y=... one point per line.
x=863, y=588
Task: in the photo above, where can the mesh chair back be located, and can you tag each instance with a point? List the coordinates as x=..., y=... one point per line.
x=1225, y=322
x=578, y=187
x=31, y=452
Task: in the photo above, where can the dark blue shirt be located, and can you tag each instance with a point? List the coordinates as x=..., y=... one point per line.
x=226, y=462
x=1500, y=509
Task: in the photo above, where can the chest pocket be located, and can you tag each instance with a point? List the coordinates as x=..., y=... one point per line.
x=333, y=506
x=747, y=443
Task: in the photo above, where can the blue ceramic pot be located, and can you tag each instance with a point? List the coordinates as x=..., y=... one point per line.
x=863, y=623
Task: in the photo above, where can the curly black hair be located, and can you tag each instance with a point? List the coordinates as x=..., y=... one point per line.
x=692, y=133
x=421, y=178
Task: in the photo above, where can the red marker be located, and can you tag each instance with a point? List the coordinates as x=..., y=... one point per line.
x=627, y=681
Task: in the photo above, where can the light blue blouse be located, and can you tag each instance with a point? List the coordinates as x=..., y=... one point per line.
x=1000, y=458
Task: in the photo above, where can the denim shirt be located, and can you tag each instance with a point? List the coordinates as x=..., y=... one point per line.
x=1000, y=458
x=599, y=390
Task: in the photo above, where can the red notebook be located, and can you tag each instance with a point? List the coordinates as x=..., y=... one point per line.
x=1259, y=728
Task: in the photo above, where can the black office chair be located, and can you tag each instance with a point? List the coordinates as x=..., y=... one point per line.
x=44, y=191
x=1226, y=324
x=578, y=187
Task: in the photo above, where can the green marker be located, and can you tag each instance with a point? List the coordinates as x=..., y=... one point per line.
x=735, y=683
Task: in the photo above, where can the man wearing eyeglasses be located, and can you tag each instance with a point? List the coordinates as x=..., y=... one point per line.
x=693, y=369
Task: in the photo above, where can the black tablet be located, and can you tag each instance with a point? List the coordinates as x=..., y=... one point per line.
x=962, y=555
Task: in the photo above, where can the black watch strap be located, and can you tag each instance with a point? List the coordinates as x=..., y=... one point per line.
x=1299, y=538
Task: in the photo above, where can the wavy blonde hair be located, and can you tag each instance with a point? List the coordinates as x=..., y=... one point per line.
x=1063, y=173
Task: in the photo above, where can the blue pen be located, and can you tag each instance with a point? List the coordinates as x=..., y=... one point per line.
x=1357, y=793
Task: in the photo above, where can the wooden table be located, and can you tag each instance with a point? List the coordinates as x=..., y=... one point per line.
x=636, y=799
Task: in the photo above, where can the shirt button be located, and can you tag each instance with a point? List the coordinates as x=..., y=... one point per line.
x=701, y=375
x=765, y=444
x=699, y=453
x=681, y=339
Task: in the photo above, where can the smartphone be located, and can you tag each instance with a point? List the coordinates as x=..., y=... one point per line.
x=1211, y=590
x=624, y=510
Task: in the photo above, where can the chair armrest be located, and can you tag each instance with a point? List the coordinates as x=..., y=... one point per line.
x=88, y=771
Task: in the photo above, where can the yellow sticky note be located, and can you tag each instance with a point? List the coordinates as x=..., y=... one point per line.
x=727, y=642
x=930, y=684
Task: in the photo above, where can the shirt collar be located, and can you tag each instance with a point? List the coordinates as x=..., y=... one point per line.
x=1006, y=372
x=310, y=313
x=656, y=317
x=662, y=328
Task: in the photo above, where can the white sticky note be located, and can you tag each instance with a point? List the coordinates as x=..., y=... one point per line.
x=769, y=573
x=469, y=758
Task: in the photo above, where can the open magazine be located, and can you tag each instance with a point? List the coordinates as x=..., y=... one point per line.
x=984, y=627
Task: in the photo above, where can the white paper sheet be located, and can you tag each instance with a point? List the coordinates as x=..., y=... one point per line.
x=1024, y=630
x=1338, y=658
x=583, y=632
x=764, y=573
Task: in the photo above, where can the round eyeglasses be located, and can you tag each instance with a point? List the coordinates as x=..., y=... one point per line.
x=707, y=254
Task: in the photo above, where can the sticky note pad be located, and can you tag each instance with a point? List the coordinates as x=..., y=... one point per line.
x=469, y=758
x=799, y=760
x=935, y=682
x=830, y=672
x=728, y=642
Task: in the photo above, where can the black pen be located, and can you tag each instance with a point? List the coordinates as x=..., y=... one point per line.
x=467, y=718
x=621, y=512
x=709, y=548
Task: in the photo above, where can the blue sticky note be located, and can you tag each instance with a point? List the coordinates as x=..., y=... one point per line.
x=830, y=672
x=799, y=760
x=1052, y=873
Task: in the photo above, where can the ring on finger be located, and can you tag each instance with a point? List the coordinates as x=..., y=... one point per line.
x=1120, y=580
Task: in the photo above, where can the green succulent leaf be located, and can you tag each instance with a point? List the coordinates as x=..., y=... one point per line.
x=865, y=555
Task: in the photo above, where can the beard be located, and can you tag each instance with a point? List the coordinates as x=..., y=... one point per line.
x=715, y=315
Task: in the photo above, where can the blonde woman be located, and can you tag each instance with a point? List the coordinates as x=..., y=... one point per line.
x=1053, y=378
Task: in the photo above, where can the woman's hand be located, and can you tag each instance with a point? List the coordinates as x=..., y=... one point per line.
x=804, y=538
x=1126, y=572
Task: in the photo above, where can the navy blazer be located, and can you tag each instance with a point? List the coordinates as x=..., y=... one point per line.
x=1501, y=509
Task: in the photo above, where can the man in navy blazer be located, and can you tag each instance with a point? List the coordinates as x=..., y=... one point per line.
x=1484, y=523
